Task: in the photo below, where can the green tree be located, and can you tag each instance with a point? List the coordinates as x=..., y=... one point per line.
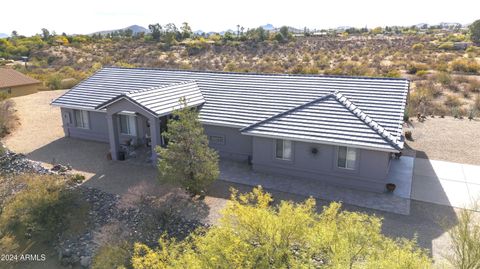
x=283, y=35
x=45, y=34
x=186, y=30
x=156, y=31
x=253, y=234
x=171, y=34
x=475, y=31
x=187, y=160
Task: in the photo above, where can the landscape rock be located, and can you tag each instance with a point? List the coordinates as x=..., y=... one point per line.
x=14, y=164
x=85, y=261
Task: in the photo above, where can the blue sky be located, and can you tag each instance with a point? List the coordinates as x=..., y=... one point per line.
x=86, y=16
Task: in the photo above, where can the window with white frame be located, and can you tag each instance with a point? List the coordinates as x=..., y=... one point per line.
x=283, y=149
x=127, y=124
x=346, y=157
x=217, y=139
x=81, y=119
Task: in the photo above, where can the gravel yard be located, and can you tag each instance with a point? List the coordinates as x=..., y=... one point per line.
x=446, y=139
x=39, y=123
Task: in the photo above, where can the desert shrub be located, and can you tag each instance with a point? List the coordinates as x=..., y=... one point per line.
x=443, y=78
x=473, y=86
x=253, y=234
x=418, y=46
x=7, y=116
x=68, y=83
x=446, y=46
x=112, y=256
x=77, y=178
x=476, y=103
x=465, y=241
x=54, y=82
x=8, y=243
x=472, y=112
x=465, y=65
x=452, y=101
x=415, y=67
x=40, y=209
x=458, y=112
x=421, y=99
x=393, y=74
x=439, y=109
x=422, y=73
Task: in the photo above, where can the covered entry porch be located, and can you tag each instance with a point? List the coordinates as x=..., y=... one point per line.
x=137, y=119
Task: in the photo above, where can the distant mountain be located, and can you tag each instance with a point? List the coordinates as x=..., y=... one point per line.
x=268, y=27
x=135, y=29
x=2, y=35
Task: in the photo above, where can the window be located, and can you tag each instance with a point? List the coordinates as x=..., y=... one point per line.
x=217, y=139
x=346, y=157
x=127, y=124
x=283, y=149
x=81, y=119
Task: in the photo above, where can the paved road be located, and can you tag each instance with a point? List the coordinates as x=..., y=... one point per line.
x=446, y=183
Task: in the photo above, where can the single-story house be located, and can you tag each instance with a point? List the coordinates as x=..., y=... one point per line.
x=14, y=83
x=343, y=130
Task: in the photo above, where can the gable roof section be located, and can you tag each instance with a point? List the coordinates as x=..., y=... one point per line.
x=161, y=100
x=330, y=119
x=12, y=78
x=241, y=99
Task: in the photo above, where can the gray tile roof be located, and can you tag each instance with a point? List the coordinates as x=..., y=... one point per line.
x=162, y=100
x=331, y=119
x=241, y=99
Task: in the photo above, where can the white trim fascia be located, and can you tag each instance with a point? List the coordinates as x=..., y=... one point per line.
x=79, y=108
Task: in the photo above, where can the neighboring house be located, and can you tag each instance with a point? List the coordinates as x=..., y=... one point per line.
x=14, y=83
x=342, y=130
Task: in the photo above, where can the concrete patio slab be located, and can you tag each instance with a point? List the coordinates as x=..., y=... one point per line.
x=396, y=203
x=472, y=173
x=446, y=183
x=401, y=174
x=431, y=168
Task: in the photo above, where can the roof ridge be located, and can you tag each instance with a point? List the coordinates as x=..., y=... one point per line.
x=258, y=73
x=160, y=87
x=287, y=112
x=384, y=133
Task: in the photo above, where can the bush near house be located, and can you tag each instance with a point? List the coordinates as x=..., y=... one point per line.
x=39, y=210
x=253, y=234
x=465, y=241
x=7, y=115
x=112, y=256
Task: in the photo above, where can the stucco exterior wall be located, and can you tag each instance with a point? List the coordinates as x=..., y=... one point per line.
x=20, y=90
x=370, y=173
x=235, y=147
x=97, y=130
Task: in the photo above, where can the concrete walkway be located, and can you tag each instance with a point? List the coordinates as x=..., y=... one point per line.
x=400, y=174
x=446, y=183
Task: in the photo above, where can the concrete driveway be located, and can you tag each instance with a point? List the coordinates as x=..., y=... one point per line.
x=446, y=183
